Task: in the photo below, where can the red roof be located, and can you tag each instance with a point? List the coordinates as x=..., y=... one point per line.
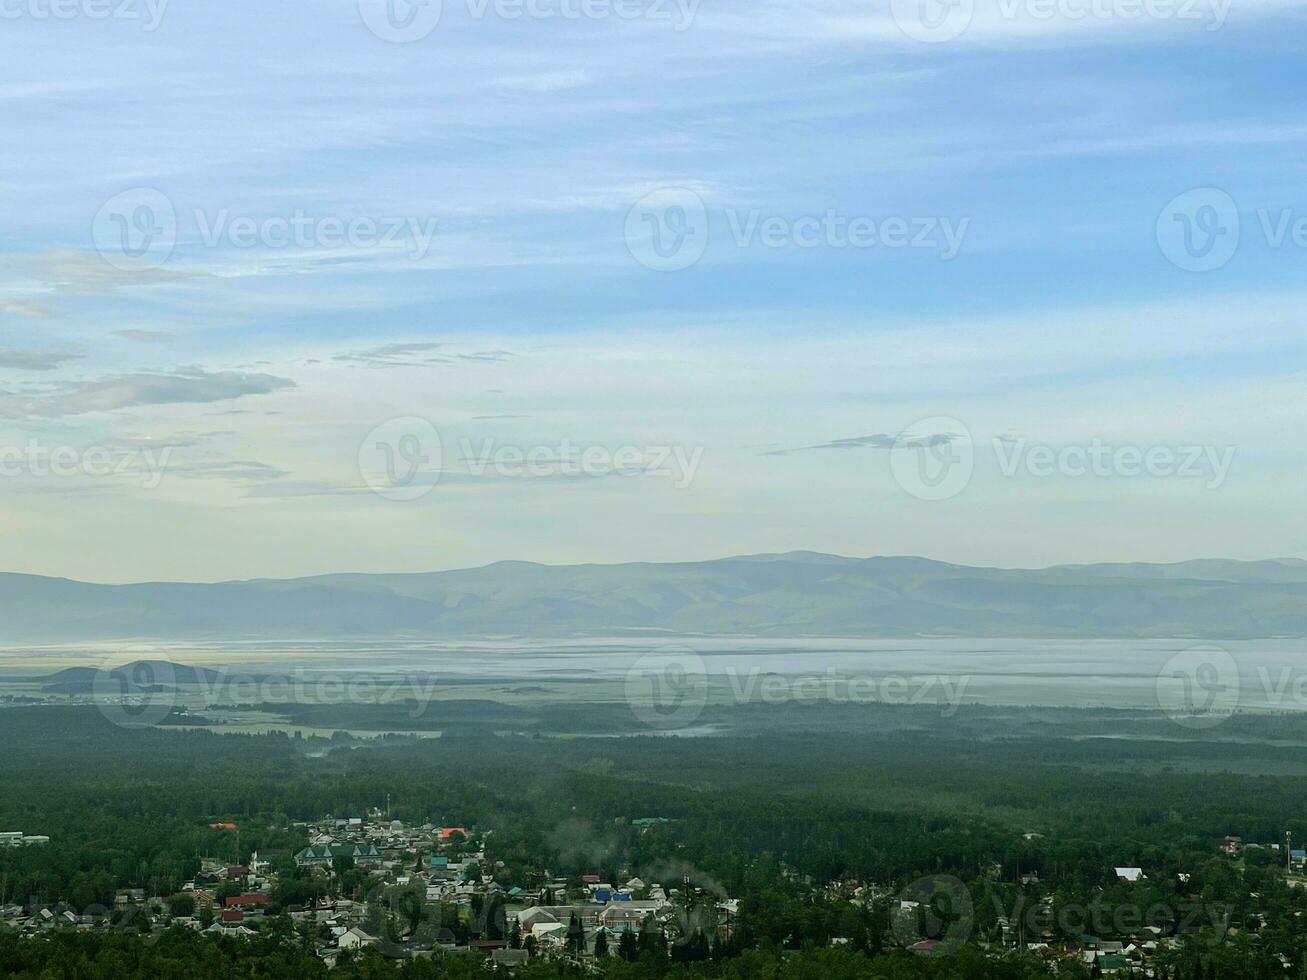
x=590, y=879
x=222, y=826
x=253, y=898
x=446, y=832
x=232, y=915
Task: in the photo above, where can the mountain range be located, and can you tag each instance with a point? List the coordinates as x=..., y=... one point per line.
x=782, y=595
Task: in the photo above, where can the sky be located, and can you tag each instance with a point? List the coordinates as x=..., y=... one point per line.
x=294, y=288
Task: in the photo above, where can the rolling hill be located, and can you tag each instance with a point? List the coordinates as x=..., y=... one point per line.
x=794, y=594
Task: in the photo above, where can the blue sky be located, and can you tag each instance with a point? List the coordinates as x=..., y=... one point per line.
x=474, y=282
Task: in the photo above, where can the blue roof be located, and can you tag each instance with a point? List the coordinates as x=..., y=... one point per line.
x=603, y=894
x=437, y=861
x=1296, y=852
x=621, y=898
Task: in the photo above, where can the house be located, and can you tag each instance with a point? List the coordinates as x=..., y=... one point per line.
x=1231, y=845
x=447, y=832
x=247, y=901
x=528, y=918
x=231, y=916
x=322, y=855
x=509, y=958
x=1130, y=874
x=235, y=930
x=619, y=915
x=355, y=938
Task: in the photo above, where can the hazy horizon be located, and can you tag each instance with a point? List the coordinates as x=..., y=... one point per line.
x=1273, y=559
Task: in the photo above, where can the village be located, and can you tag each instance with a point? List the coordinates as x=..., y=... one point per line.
x=407, y=891
x=414, y=891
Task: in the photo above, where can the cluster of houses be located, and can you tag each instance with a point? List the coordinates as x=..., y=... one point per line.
x=446, y=866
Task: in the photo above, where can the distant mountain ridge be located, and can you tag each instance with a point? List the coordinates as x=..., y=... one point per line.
x=793, y=594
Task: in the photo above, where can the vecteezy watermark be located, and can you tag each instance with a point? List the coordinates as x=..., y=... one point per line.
x=407, y=21
x=933, y=458
x=565, y=458
x=1211, y=464
x=758, y=686
x=146, y=693
x=938, y=21
x=400, y=21
x=148, y=13
x=40, y=460
x=668, y=230
x=1200, y=230
x=667, y=689
x=933, y=916
x=306, y=231
x=1101, y=917
x=138, y=229
x=401, y=459
x=1199, y=687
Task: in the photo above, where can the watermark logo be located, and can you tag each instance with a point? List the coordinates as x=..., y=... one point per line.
x=1198, y=231
x=667, y=229
x=145, y=693
x=401, y=21
x=137, y=695
x=147, y=13
x=567, y=459
x=401, y=459
x=136, y=230
x=1100, y=917
x=936, y=21
x=305, y=231
x=934, y=458
x=1199, y=688
x=933, y=21
x=1098, y=459
x=934, y=916
x=667, y=689
x=40, y=460
x=831, y=229
x=406, y=21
